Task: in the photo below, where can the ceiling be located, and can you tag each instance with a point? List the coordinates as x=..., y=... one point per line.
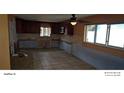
x=49, y=17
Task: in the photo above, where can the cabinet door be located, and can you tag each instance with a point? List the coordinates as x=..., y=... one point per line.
x=70, y=29
x=19, y=26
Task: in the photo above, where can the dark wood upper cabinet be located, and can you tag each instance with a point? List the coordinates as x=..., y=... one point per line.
x=55, y=28
x=67, y=27
x=26, y=26
x=31, y=27
x=70, y=29
x=19, y=25
x=23, y=26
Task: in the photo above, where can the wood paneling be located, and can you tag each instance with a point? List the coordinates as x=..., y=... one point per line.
x=68, y=27
x=55, y=28
x=113, y=51
x=23, y=26
x=105, y=18
x=26, y=26
x=78, y=33
x=101, y=18
x=19, y=24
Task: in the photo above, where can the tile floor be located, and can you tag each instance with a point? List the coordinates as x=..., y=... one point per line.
x=48, y=59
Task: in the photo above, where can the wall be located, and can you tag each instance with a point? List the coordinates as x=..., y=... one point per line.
x=105, y=18
x=108, y=18
x=12, y=34
x=29, y=34
x=24, y=26
x=98, y=56
x=68, y=41
x=28, y=26
x=4, y=43
x=78, y=36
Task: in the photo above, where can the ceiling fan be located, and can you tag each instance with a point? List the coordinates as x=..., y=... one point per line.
x=74, y=20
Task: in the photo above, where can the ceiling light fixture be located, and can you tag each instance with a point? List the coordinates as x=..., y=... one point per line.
x=73, y=20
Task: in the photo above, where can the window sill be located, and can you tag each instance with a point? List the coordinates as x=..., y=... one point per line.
x=103, y=45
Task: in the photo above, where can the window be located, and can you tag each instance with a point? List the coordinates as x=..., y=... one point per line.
x=45, y=31
x=101, y=34
x=90, y=33
x=116, y=37
x=106, y=34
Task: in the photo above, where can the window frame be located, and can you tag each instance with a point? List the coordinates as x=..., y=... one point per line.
x=86, y=33
x=44, y=33
x=106, y=39
x=109, y=36
x=105, y=36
